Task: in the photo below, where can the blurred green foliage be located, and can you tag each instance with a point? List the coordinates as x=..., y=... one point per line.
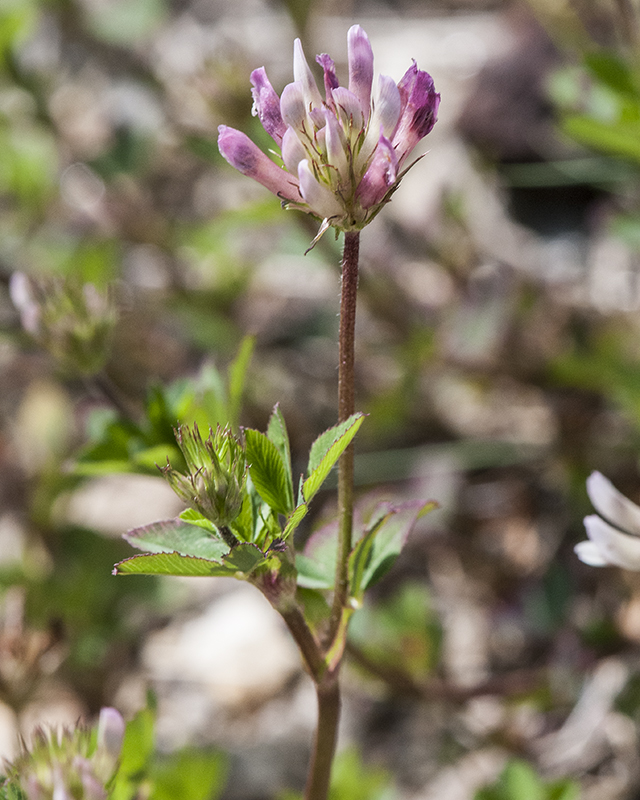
x=402, y=631
x=519, y=781
x=190, y=774
x=353, y=779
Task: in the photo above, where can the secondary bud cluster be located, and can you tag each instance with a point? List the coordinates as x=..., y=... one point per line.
x=342, y=156
x=70, y=764
x=214, y=483
x=73, y=321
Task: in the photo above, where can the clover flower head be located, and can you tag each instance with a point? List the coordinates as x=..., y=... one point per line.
x=614, y=537
x=342, y=156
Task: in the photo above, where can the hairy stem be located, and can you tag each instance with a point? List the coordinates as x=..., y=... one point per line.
x=328, y=695
x=346, y=407
x=327, y=686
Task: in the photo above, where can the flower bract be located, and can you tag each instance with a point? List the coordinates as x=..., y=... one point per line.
x=342, y=156
x=614, y=537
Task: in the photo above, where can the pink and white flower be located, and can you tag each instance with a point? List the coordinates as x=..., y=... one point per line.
x=614, y=537
x=342, y=156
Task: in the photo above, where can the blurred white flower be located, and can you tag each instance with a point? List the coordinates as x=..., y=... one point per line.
x=614, y=540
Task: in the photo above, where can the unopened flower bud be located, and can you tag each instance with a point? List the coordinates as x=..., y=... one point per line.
x=74, y=322
x=214, y=483
x=68, y=764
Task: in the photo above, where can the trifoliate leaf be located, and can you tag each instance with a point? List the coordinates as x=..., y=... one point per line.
x=277, y=433
x=326, y=450
x=376, y=552
x=174, y=535
x=238, y=563
x=268, y=472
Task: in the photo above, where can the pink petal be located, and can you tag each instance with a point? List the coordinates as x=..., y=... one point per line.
x=420, y=103
x=266, y=104
x=111, y=731
x=330, y=78
x=380, y=176
x=360, y=57
x=247, y=158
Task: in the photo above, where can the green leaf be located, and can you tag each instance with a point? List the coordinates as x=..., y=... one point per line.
x=402, y=630
x=612, y=71
x=174, y=535
x=277, y=433
x=294, y=520
x=169, y=564
x=522, y=783
x=136, y=754
x=314, y=605
x=237, y=377
x=389, y=538
x=313, y=574
x=317, y=565
x=322, y=444
x=189, y=775
x=194, y=517
x=268, y=472
x=326, y=450
x=620, y=139
x=361, y=554
x=519, y=781
x=242, y=559
x=89, y=469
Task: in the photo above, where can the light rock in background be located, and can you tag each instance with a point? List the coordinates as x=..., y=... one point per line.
x=462, y=780
x=53, y=705
x=116, y=503
x=237, y=650
x=8, y=732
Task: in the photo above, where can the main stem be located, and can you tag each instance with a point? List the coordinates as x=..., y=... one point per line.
x=346, y=407
x=324, y=745
x=327, y=685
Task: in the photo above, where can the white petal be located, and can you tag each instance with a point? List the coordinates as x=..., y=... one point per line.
x=387, y=105
x=613, y=505
x=292, y=105
x=349, y=108
x=384, y=119
x=614, y=547
x=302, y=73
x=334, y=142
x=293, y=151
x=589, y=554
x=320, y=199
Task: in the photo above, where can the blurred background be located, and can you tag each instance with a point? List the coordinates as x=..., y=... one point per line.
x=498, y=348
